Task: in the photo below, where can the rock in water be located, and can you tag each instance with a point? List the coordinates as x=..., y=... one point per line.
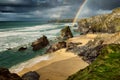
x=40, y=43
x=22, y=49
x=56, y=47
x=32, y=75
x=6, y=75
x=66, y=33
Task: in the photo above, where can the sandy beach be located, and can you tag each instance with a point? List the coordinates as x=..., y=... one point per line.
x=61, y=63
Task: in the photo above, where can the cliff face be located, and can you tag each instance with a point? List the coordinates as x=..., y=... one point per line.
x=101, y=23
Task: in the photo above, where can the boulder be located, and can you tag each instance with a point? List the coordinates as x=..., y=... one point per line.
x=22, y=48
x=56, y=46
x=40, y=43
x=4, y=71
x=9, y=48
x=72, y=45
x=32, y=75
x=14, y=76
x=66, y=33
x=6, y=75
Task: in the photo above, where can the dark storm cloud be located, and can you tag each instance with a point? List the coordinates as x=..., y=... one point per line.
x=22, y=6
x=52, y=9
x=36, y=9
x=30, y=5
x=103, y=4
x=15, y=2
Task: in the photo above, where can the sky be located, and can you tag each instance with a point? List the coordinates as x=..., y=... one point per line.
x=37, y=10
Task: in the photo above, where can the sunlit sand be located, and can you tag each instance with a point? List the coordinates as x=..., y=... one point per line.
x=61, y=63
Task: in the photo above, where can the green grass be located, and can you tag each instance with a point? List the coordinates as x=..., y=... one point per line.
x=105, y=67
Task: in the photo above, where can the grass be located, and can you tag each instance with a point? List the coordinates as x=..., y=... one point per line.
x=105, y=67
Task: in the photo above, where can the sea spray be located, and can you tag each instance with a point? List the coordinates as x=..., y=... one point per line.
x=13, y=37
x=17, y=36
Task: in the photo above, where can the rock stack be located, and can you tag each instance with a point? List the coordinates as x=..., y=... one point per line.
x=40, y=43
x=66, y=33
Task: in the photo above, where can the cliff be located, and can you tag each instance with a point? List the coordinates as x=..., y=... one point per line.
x=104, y=58
x=102, y=23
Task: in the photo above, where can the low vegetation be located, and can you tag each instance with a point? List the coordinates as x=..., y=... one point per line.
x=105, y=67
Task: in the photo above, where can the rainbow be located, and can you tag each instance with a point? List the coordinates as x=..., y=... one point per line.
x=79, y=11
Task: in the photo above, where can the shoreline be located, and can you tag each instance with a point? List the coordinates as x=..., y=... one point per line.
x=53, y=57
x=59, y=67
x=61, y=63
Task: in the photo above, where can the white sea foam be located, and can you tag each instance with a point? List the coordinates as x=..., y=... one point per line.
x=19, y=36
x=15, y=37
x=39, y=27
x=29, y=63
x=27, y=30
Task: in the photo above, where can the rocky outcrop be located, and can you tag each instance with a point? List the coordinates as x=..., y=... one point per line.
x=109, y=23
x=40, y=43
x=22, y=48
x=6, y=75
x=91, y=50
x=71, y=45
x=66, y=33
x=32, y=75
x=56, y=47
x=113, y=39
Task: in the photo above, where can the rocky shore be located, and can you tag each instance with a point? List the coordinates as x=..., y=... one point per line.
x=39, y=44
x=5, y=74
x=102, y=53
x=92, y=49
x=70, y=54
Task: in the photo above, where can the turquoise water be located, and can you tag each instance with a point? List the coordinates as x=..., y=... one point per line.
x=12, y=57
x=16, y=34
x=14, y=24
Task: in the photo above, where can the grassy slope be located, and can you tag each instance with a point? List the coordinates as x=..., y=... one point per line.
x=105, y=67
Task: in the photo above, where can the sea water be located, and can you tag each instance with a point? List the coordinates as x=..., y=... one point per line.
x=14, y=35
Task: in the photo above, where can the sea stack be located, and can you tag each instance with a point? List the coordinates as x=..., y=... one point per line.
x=40, y=43
x=66, y=33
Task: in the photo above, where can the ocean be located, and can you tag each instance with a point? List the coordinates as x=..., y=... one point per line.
x=14, y=35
